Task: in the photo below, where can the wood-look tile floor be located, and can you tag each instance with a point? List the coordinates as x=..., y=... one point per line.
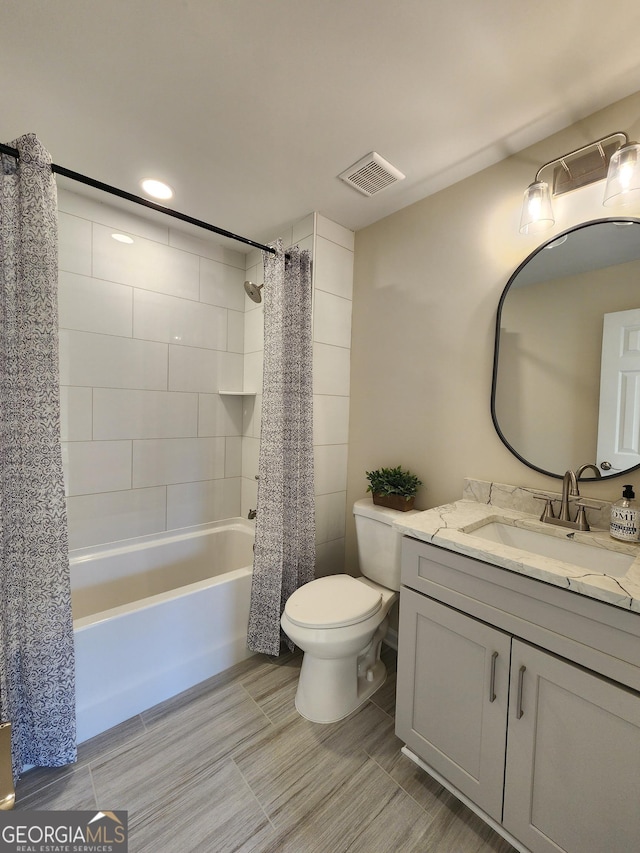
x=230, y=766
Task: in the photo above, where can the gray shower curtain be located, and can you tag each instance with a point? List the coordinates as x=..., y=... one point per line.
x=37, y=684
x=284, y=557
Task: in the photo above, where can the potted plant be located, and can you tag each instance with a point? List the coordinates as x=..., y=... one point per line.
x=393, y=487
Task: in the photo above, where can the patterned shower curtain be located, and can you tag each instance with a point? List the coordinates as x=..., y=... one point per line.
x=37, y=683
x=284, y=557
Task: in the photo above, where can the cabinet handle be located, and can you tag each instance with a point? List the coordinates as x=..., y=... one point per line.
x=521, y=672
x=492, y=682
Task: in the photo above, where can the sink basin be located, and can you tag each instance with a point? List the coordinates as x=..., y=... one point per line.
x=588, y=557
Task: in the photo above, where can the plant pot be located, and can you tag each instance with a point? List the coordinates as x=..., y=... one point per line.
x=398, y=502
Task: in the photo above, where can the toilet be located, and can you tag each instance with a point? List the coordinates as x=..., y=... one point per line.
x=339, y=621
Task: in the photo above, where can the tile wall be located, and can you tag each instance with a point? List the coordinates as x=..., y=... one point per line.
x=151, y=333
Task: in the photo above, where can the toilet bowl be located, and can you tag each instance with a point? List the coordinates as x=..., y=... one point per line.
x=340, y=621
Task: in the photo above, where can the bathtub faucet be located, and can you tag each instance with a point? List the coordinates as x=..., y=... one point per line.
x=252, y=514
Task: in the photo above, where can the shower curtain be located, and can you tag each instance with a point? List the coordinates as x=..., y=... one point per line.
x=284, y=557
x=37, y=692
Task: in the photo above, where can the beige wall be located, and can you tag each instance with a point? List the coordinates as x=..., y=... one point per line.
x=427, y=281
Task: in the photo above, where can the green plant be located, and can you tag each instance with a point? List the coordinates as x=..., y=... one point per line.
x=393, y=481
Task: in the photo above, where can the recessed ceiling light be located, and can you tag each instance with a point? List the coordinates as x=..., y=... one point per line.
x=122, y=238
x=156, y=189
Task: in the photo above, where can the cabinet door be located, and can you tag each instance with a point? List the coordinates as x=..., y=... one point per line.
x=452, y=696
x=573, y=758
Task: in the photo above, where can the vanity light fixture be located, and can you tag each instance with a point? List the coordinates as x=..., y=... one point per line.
x=623, y=179
x=537, y=212
x=612, y=155
x=156, y=189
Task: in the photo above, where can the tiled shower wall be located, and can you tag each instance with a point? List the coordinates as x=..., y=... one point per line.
x=150, y=333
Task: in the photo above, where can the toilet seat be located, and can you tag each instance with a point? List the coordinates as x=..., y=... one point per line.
x=332, y=602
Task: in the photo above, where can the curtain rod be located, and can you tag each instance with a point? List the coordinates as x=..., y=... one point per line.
x=91, y=182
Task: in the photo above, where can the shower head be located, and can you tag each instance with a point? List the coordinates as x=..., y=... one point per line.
x=253, y=291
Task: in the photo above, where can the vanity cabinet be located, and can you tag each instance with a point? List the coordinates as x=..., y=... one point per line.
x=456, y=670
x=573, y=757
x=546, y=750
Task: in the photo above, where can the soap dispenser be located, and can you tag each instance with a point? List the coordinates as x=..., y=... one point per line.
x=625, y=517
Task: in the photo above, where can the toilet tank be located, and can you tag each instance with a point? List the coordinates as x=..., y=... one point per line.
x=378, y=543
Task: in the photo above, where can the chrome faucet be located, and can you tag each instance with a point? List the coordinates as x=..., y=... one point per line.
x=570, y=489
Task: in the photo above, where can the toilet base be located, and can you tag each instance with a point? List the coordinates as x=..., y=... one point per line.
x=330, y=689
x=325, y=695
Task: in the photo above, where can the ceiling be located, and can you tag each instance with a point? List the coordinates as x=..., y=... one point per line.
x=251, y=108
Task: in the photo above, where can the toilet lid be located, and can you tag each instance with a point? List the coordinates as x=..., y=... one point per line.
x=332, y=602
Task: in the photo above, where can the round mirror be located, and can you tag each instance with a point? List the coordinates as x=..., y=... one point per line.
x=566, y=370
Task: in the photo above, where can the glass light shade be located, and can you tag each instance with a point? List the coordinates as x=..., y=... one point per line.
x=623, y=178
x=537, y=213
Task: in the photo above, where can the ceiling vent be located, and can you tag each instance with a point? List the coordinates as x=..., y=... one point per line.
x=371, y=174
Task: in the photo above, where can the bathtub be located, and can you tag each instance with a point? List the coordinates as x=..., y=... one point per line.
x=155, y=615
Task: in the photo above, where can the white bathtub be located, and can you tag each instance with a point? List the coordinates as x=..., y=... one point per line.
x=155, y=615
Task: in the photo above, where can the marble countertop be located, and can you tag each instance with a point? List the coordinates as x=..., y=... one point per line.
x=452, y=527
